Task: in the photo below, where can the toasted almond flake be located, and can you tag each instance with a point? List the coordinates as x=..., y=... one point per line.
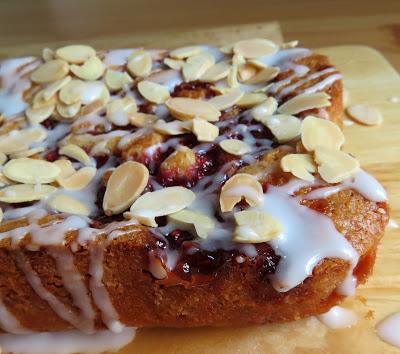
x=141, y=120
x=257, y=63
x=76, y=53
x=241, y=185
x=3, y=158
x=255, y=226
x=37, y=116
x=196, y=66
x=238, y=60
x=120, y=110
x=156, y=268
x=68, y=111
x=187, y=108
x=246, y=72
x=75, y=152
x=304, y=102
x=300, y=165
x=202, y=223
x=67, y=204
x=27, y=153
x=335, y=166
x=235, y=147
x=153, y=92
x=124, y=186
x=291, y=44
x=264, y=109
x=161, y=202
x=139, y=63
x=54, y=87
x=175, y=64
x=263, y=75
x=185, y=52
x=19, y=140
x=204, y=131
x=365, y=114
x=320, y=132
x=176, y=127
x=91, y=69
x=251, y=99
x=4, y=181
x=284, y=127
x=76, y=180
x=47, y=54
x=28, y=170
x=216, y=72
x=20, y=193
x=232, y=77
x=96, y=104
x=227, y=100
x=253, y=48
x=50, y=71
x=116, y=80
x=72, y=91
x=39, y=101
x=1, y=215
x=66, y=168
x=95, y=90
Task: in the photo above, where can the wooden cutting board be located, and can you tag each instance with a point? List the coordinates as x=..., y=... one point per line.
x=369, y=79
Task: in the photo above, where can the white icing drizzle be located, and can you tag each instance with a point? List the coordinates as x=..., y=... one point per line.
x=367, y=186
x=67, y=342
x=338, y=317
x=323, y=84
x=8, y=322
x=389, y=329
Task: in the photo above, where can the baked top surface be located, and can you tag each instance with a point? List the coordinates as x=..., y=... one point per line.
x=135, y=129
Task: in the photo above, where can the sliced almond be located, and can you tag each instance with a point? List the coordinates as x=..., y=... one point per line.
x=185, y=52
x=226, y=49
x=141, y=120
x=161, y=202
x=176, y=127
x=39, y=101
x=238, y=60
x=227, y=100
x=19, y=140
x=54, y=87
x=120, y=110
x=255, y=226
x=77, y=180
x=66, y=168
x=94, y=90
x=3, y=158
x=38, y=115
x=76, y=53
x=116, y=80
x=202, y=223
x=1, y=215
x=187, y=108
x=216, y=72
x=27, y=153
x=304, y=102
x=72, y=92
x=68, y=111
x=235, y=147
x=196, y=66
x=139, y=63
x=175, y=64
x=254, y=48
x=20, y=193
x=4, y=181
x=124, y=186
x=257, y=63
x=241, y=185
x=28, y=170
x=75, y=152
x=232, y=77
x=91, y=69
x=251, y=99
x=320, y=132
x=299, y=165
x=204, y=130
x=284, y=127
x=365, y=114
x=246, y=71
x=263, y=76
x=291, y=44
x=67, y=204
x=335, y=166
x=153, y=92
x=50, y=71
x=47, y=54
x=265, y=109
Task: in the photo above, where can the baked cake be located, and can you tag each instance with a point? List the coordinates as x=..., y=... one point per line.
x=195, y=187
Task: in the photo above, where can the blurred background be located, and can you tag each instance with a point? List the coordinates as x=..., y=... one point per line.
x=26, y=25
